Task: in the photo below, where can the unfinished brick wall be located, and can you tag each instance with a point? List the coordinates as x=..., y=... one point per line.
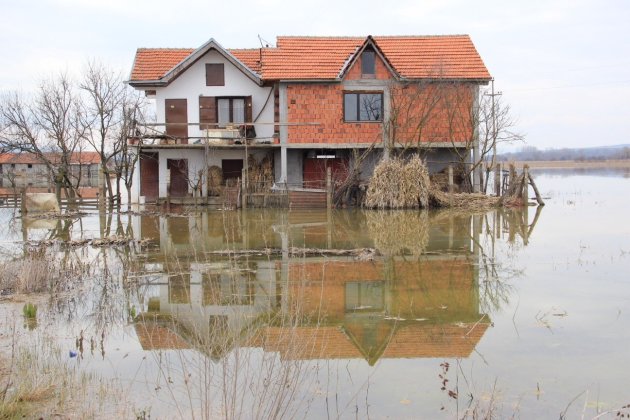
x=431, y=112
x=419, y=112
x=323, y=104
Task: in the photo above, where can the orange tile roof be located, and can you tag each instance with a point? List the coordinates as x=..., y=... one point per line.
x=304, y=58
x=26, y=158
x=153, y=63
x=453, y=56
x=248, y=56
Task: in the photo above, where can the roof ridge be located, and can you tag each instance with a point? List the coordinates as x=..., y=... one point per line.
x=164, y=49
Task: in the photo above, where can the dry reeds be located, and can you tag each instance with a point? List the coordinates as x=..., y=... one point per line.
x=399, y=184
x=462, y=200
x=400, y=232
x=260, y=174
x=28, y=275
x=215, y=180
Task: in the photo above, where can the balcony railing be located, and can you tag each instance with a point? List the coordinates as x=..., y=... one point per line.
x=155, y=134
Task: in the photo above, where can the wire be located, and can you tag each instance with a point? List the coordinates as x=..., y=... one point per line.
x=618, y=82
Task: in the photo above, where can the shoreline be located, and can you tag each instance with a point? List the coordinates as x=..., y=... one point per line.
x=573, y=164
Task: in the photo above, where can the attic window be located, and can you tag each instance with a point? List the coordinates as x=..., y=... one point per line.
x=215, y=75
x=368, y=64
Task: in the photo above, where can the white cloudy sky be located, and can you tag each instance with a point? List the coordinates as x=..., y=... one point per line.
x=562, y=65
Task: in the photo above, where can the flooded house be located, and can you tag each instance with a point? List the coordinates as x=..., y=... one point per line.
x=300, y=109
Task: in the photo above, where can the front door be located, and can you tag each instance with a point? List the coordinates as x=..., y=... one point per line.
x=314, y=174
x=177, y=119
x=149, y=176
x=179, y=177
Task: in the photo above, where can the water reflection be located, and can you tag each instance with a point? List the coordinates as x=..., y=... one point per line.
x=419, y=297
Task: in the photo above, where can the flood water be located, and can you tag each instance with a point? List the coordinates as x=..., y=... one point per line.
x=250, y=315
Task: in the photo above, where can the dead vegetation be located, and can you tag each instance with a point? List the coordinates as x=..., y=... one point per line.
x=399, y=184
x=260, y=175
x=110, y=241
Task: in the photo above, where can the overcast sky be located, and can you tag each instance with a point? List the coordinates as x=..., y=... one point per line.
x=563, y=66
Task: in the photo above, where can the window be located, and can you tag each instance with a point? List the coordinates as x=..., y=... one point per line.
x=230, y=111
x=367, y=63
x=215, y=75
x=30, y=166
x=363, y=106
x=221, y=111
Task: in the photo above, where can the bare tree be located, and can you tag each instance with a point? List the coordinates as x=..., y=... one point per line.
x=133, y=110
x=111, y=108
x=436, y=110
x=51, y=126
x=480, y=128
x=104, y=94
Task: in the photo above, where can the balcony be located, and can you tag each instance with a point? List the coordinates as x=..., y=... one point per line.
x=155, y=134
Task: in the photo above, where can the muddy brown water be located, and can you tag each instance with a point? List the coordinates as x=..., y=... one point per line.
x=517, y=312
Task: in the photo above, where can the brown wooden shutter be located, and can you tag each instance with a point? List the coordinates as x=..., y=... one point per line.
x=215, y=75
x=207, y=112
x=248, y=109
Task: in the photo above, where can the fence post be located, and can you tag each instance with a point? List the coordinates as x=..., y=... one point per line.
x=23, y=199
x=497, y=179
x=243, y=189
x=525, y=192
x=328, y=188
x=450, y=178
x=101, y=188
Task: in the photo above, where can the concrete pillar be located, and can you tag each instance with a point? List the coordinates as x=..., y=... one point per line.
x=284, y=131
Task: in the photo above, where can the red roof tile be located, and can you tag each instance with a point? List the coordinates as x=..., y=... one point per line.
x=453, y=56
x=153, y=63
x=303, y=58
x=26, y=158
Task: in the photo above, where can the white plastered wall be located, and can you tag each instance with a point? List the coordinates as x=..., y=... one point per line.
x=192, y=83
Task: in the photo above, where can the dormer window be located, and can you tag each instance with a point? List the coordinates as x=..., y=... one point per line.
x=368, y=64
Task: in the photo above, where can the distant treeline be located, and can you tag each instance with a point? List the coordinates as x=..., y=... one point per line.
x=590, y=153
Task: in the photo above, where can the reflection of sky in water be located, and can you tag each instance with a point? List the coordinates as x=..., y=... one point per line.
x=563, y=326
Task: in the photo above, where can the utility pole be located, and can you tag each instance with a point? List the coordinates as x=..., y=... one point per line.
x=494, y=120
x=494, y=134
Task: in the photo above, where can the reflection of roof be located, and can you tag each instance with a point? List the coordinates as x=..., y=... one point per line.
x=157, y=336
x=407, y=341
x=303, y=57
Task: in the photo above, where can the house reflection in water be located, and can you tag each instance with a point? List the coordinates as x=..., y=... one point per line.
x=420, y=298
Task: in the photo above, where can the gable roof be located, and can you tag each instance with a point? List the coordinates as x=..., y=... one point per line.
x=327, y=58
x=159, y=66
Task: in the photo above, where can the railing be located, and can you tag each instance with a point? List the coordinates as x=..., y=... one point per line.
x=214, y=134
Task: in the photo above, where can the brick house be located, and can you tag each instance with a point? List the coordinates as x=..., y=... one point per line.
x=310, y=103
